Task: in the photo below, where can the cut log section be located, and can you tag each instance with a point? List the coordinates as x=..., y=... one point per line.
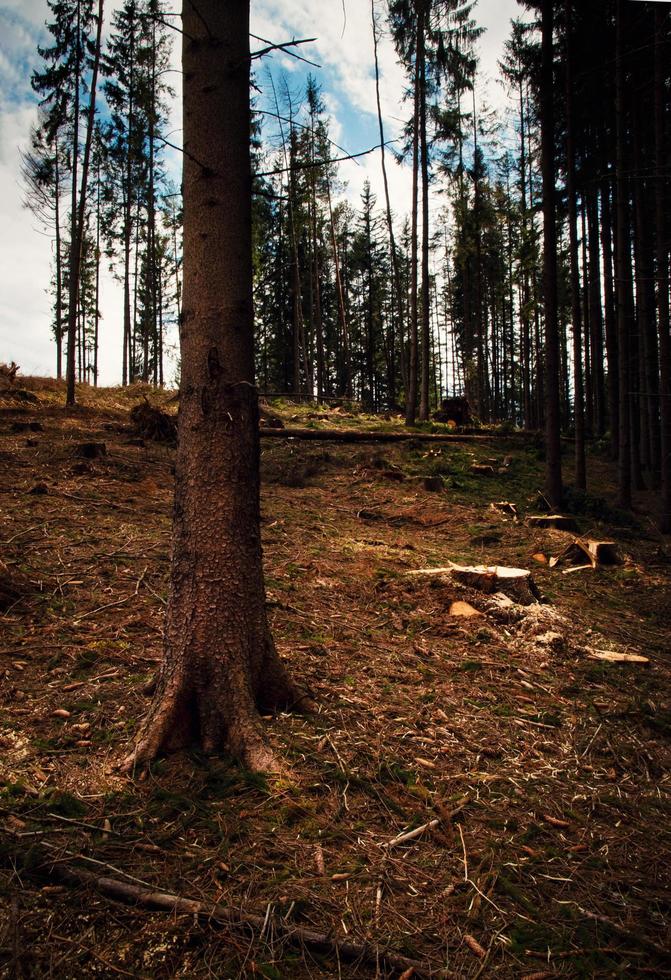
x=556, y=522
x=505, y=507
x=481, y=469
x=596, y=552
x=516, y=583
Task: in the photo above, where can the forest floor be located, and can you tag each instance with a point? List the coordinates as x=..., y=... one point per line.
x=547, y=773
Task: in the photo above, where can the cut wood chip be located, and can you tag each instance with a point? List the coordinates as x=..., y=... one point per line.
x=613, y=657
x=464, y=609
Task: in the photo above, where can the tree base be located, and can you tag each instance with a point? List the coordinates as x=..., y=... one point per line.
x=221, y=716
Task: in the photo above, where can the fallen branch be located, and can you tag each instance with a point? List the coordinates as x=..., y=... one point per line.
x=663, y=952
x=363, y=435
x=216, y=914
x=411, y=834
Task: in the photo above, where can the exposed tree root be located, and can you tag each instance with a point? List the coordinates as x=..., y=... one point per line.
x=184, y=714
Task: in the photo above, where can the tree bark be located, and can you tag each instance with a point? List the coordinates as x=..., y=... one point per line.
x=578, y=391
x=411, y=393
x=621, y=260
x=662, y=267
x=426, y=297
x=398, y=289
x=220, y=663
x=552, y=408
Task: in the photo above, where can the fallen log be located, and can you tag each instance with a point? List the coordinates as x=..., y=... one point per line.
x=221, y=915
x=369, y=435
x=557, y=522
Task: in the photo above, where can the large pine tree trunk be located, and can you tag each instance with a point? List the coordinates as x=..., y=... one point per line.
x=220, y=662
x=552, y=408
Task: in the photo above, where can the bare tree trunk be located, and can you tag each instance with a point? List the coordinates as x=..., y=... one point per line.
x=342, y=312
x=59, y=267
x=220, y=662
x=411, y=393
x=70, y=354
x=661, y=57
x=621, y=259
x=610, y=321
x=78, y=224
x=398, y=290
x=552, y=411
x=595, y=309
x=426, y=291
x=578, y=391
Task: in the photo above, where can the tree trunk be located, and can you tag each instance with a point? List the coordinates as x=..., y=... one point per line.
x=662, y=267
x=610, y=321
x=411, y=393
x=398, y=290
x=78, y=224
x=220, y=662
x=552, y=408
x=578, y=391
x=70, y=354
x=426, y=300
x=59, y=267
x=621, y=259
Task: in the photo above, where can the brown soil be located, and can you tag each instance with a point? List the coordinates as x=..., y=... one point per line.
x=547, y=771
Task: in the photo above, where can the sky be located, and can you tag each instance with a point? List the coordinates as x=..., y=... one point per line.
x=343, y=49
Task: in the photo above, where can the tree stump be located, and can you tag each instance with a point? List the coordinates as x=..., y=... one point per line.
x=556, y=522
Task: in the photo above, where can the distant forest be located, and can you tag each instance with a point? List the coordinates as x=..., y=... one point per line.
x=538, y=289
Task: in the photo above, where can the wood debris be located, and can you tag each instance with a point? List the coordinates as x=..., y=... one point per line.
x=463, y=609
x=612, y=656
x=595, y=552
x=556, y=522
x=506, y=508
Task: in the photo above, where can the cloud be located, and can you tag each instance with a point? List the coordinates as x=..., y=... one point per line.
x=343, y=48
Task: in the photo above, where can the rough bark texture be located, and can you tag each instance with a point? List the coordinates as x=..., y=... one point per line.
x=220, y=663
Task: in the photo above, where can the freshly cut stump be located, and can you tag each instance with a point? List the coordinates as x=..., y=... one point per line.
x=517, y=583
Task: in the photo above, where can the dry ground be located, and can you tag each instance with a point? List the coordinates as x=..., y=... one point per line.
x=547, y=771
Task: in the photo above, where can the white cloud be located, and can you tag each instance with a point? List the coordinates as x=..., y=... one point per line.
x=343, y=47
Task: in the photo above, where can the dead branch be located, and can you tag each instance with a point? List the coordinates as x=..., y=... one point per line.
x=359, y=435
x=220, y=915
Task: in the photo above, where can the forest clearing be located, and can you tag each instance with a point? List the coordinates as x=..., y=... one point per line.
x=540, y=775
